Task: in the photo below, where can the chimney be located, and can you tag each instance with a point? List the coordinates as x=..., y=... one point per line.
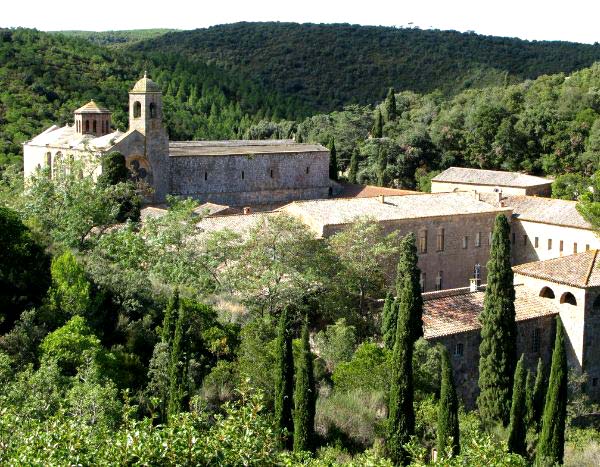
x=499, y=196
x=247, y=210
x=381, y=199
x=477, y=195
x=474, y=284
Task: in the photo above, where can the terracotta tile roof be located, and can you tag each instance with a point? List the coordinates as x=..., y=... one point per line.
x=92, y=108
x=369, y=191
x=489, y=177
x=547, y=211
x=320, y=213
x=578, y=270
x=238, y=223
x=240, y=147
x=454, y=314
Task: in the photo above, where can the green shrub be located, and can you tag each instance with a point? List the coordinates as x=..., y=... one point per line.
x=368, y=370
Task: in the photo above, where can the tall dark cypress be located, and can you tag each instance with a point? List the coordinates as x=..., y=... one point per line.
x=284, y=380
x=401, y=419
x=178, y=365
x=378, y=125
x=498, y=331
x=517, y=429
x=304, y=397
x=390, y=105
x=389, y=321
x=551, y=445
x=170, y=318
x=353, y=170
x=333, y=163
x=408, y=285
x=529, y=384
x=448, y=431
x=539, y=395
x=381, y=166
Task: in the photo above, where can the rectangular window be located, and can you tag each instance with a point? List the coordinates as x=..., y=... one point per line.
x=438, y=281
x=423, y=241
x=537, y=242
x=459, y=349
x=242, y=174
x=205, y=175
x=422, y=281
x=575, y=247
x=478, y=239
x=549, y=243
x=524, y=240
x=440, y=240
x=271, y=173
x=465, y=242
x=560, y=246
x=594, y=382
x=587, y=247
x=514, y=238
x=535, y=340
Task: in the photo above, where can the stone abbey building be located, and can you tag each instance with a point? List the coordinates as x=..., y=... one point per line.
x=226, y=172
x=554, y=250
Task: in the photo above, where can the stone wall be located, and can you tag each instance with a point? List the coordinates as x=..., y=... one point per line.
x=526, y=232
x=251, y=179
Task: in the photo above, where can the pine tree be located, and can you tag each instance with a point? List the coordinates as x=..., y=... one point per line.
x=550, y=448
x=390, y=105
x=401, y=419
x=539, y=395
x=178, y=365
x=169, y=319
x=284, y=380
x=517, y=429
x=448, y=409
x=408, y=285
x=333, y=164
x=389, y=321
x=378, y=125
x=304, y=397
x=498, y=332
x=353, y=170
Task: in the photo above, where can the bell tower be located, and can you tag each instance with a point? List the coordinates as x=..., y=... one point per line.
x=145, y=117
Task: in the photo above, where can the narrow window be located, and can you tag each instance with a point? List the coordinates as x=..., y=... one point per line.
x=535, y=340
x=423, y=241
x=94, y=126
x=514, y=238
x=458, y=349
x=594, y=382
x=440, y=240
x=307, y=169
x=549, y=243
x=478, y=239
x=465, y=242
x=87, y=126
x=242, y=174
x=438, y=281
x=271, y=173
x=524, y=240
x=490, y=238
x=575, y=247
x=137, y=110
x=48, y=159
x=152, y=110
x=537, y=242
x=205, y=175
x=422, y=281
x=560, y=246
x=587, y=247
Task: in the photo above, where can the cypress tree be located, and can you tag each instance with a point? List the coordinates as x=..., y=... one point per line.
x=390, y=105
x=169, y=319
x=381, y=166
x=401, y=419
x=517, y=429
x=333, y=164
x=448, y=409
x=284, y=380
x=304, y=397
x=498, y=331
x=539, y=394
x=551, y=445
x=389, y=321
x=353, y=170
x=408, y=285
x=378, y=125
x=529, y=384
x=178, y=365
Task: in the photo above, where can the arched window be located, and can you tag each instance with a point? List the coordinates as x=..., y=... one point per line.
x=137, y=110
x=596, y=305
x=547, y=292
x=569, y=298
x=48, y=159
x=87, y=126
x=152, y=110
x=94, y=125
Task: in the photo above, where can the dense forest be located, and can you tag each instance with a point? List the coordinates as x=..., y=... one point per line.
x=116, y=38
x=328, y=66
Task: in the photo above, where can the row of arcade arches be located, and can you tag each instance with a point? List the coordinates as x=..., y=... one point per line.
x=568, y=298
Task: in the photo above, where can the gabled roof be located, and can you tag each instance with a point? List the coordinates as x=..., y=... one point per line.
x=579, y=270
x=456, y=313
x=489, y=177
x=547, y=211
x=92, y=108
x=67, y=137
x=350, y=190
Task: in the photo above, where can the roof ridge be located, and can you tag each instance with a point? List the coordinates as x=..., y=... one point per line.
x=586, y=279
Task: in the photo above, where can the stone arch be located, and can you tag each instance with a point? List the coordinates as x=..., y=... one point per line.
x=596, y=305
x=87, y=126
x=137, y=109
x=569, y=298
x=152, y=109
x=547, y=292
